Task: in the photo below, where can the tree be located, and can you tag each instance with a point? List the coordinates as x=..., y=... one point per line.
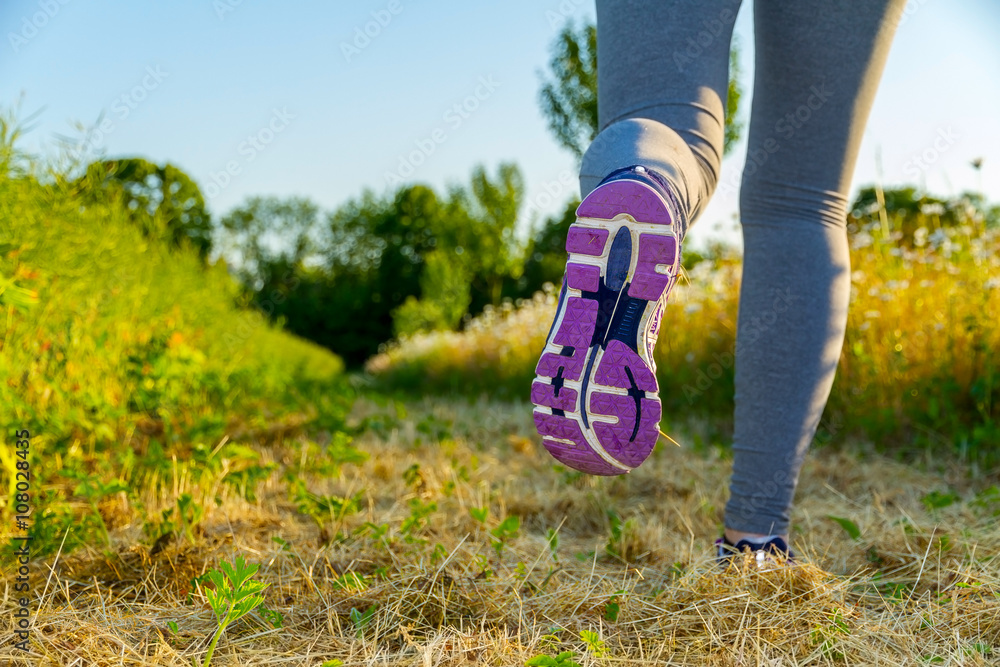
x=270, y=235
x=906, y=211
x=545, y=258
x=444, y=297
x=484, y=218
x=569, y=96
x=399, y=263
x=375, y=261
x=734, y=126
x=477, y=256
x=163, y=199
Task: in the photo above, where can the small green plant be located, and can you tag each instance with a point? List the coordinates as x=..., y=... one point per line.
x=94, y=490
x=461, y=472
x=849, y=526
x=235, y=595
x=594, y=643
x=179, y=520
x=361, y=619
x=967, y=584
x=439, y=553
x=190, y=515
x=936, y=500
x=413, y=477
x=326, y=461
x=483, y=564
x=434, y=428
x=480, y=514
x=383, y=424
x=378, y=532
x=621, y=537
x=563, y=659
x=275, y=618
x=247, y=479
x=419, y=511
x=323, y=509
x=611, y=610
x=828, y=637
x=980, y=648
x=351, y=581
x=552, y=539
x=988, y=499
x=506, y=531
x=892, y=591
x=613, y=607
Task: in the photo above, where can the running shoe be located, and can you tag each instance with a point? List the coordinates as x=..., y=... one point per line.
x=596, y=397
x=774, y=551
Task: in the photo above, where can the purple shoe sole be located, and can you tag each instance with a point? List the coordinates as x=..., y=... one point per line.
x=595, y=392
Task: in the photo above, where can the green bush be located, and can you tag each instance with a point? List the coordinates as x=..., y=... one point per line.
x=115, y=346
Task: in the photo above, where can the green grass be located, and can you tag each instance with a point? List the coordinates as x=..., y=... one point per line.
x=120, y=354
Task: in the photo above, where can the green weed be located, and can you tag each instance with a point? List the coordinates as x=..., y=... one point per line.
x=234, y=595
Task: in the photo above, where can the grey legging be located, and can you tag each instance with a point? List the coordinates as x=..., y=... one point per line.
x=662, y=81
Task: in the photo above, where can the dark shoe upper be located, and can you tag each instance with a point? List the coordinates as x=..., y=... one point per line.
x=774, y=549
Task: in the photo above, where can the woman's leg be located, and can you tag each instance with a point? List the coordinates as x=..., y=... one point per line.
x=662, y=70
x=817, y=66
x=663, y=73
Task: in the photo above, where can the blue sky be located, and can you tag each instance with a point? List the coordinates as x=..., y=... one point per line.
x=254, y=98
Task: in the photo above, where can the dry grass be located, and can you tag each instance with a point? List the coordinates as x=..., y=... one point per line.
x=919, y=585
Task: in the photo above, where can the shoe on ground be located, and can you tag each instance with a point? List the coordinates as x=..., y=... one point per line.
x=766, y=554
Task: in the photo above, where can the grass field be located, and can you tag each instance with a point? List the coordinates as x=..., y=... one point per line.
x=430, y=549
x=395, y=522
